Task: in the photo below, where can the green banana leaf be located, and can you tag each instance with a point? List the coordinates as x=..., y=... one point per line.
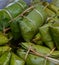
x=15, y=29
x=55, y=54
x=41, y=49
x=3, y=39
x=15, y=60
x=37, y=39
x=33, y=59
x=55, y=35
x=45, y=35
x=49, y=12
x=38, y=48
x=4, y=49
x=30, y=23
x=10, y=12
x=52, y=7
x=5, y=58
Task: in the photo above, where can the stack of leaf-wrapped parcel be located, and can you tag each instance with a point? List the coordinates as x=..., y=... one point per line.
x=29, y=35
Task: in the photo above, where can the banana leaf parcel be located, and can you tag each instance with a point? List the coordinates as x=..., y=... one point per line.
x=40, y=49
x=46, y=37
x=33, y=59
x=15, y=60
x=10, y=12
x=29, y=36
x=5, y=58
x=30, y=23
x=55, y=35
x=53, y=8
